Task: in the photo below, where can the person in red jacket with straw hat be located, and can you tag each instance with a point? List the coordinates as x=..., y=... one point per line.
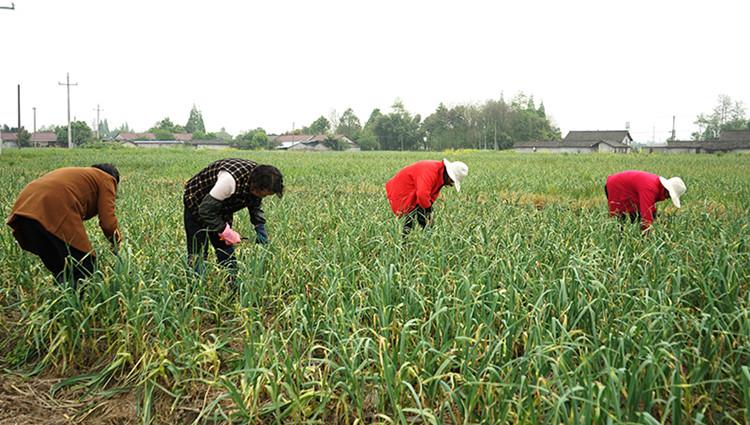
x=413, y=190
x=635, y=194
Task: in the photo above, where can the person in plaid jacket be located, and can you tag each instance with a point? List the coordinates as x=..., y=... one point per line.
x=213, y=196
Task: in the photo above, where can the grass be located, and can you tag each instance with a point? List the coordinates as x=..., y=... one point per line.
x=525, y=303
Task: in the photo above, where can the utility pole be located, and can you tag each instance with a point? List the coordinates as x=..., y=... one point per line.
x=19, y=108
x=97, y=121
x=12, y=7
x=673, y=132
x=34, y=108
x=67, y=83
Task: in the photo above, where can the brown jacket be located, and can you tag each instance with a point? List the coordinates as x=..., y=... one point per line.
x=62, y=199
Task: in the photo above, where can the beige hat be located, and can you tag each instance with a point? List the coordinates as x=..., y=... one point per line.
x=676, y=188
x=456, y=171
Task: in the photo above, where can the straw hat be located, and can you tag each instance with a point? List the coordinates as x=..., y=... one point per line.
x=676, y=188
x=456, y=171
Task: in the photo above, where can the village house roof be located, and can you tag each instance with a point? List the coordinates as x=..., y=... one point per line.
x=185, y=137
x=9, y=137
x=568, y=144
x=154, y=142
x=213, y=142
x=734, y=136
x=122, y=137
x=728, y=140
x=596, y=136
x=44, y=136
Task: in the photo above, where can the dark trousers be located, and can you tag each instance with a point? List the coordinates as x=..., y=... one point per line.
x=418, y=214
x=198, y=237
x=65, y=262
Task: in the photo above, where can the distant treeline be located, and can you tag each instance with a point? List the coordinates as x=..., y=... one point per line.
x=495, y=124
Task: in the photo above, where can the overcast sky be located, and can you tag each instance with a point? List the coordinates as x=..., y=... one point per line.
x=274, y=64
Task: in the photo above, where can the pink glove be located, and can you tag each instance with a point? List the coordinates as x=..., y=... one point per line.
x=229, y=236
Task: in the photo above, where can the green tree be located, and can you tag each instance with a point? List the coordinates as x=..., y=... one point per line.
x=195, y=122
x=367, y=141
x=124, y=128
x=399, y=130
x=167, y=125
x=223, y=135
x=161, y=134
x=104, y=129
x=24, y=138
x=726, y=115
x=253, y=139
x=199, y=135
x=374, y=115
x=319, y=126
x=80, y=133
x=492, y=125
x=349, y=125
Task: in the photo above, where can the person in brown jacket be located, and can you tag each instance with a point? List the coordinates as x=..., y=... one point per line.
x=47, y=218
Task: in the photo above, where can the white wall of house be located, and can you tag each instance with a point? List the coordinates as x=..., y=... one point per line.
x=213, y=147
x=317, y=147
x=663, y=149
x=554, y=150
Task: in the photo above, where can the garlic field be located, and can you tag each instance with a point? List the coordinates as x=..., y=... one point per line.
x=525, y=303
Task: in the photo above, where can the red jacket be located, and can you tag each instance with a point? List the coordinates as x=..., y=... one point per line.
x=417, y=184
x=634, y=192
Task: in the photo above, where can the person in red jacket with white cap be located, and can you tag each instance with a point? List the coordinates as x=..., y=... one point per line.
x=635, y=193
x=413, y=190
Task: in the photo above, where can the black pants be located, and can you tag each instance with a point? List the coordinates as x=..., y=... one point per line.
x=65, y=262
x=198, y=237
x=418, y=214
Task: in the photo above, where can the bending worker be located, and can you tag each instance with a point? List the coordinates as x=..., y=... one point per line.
x=413, y=190
x=213, y=196
x=47, y=218
x=635, y=194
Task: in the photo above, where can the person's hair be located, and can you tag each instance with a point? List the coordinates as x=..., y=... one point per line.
x=109, y=169
x=447, y=180
x=268, y=178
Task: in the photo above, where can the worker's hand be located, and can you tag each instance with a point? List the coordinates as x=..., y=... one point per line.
x=116, y=238
x=229, y=236
x=261, y=236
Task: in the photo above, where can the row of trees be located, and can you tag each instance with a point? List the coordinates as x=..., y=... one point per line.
x=728, y=114
x=495, y=124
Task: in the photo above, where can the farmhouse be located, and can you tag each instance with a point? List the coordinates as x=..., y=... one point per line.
x=617, y=141
x=128, y=137
x=9, y=140
x=306, y=142
x=208, y=144
x=152, y=143
x=44, y=139
x=729, y=141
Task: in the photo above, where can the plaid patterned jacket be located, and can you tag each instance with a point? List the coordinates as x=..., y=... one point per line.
x=200, y=184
